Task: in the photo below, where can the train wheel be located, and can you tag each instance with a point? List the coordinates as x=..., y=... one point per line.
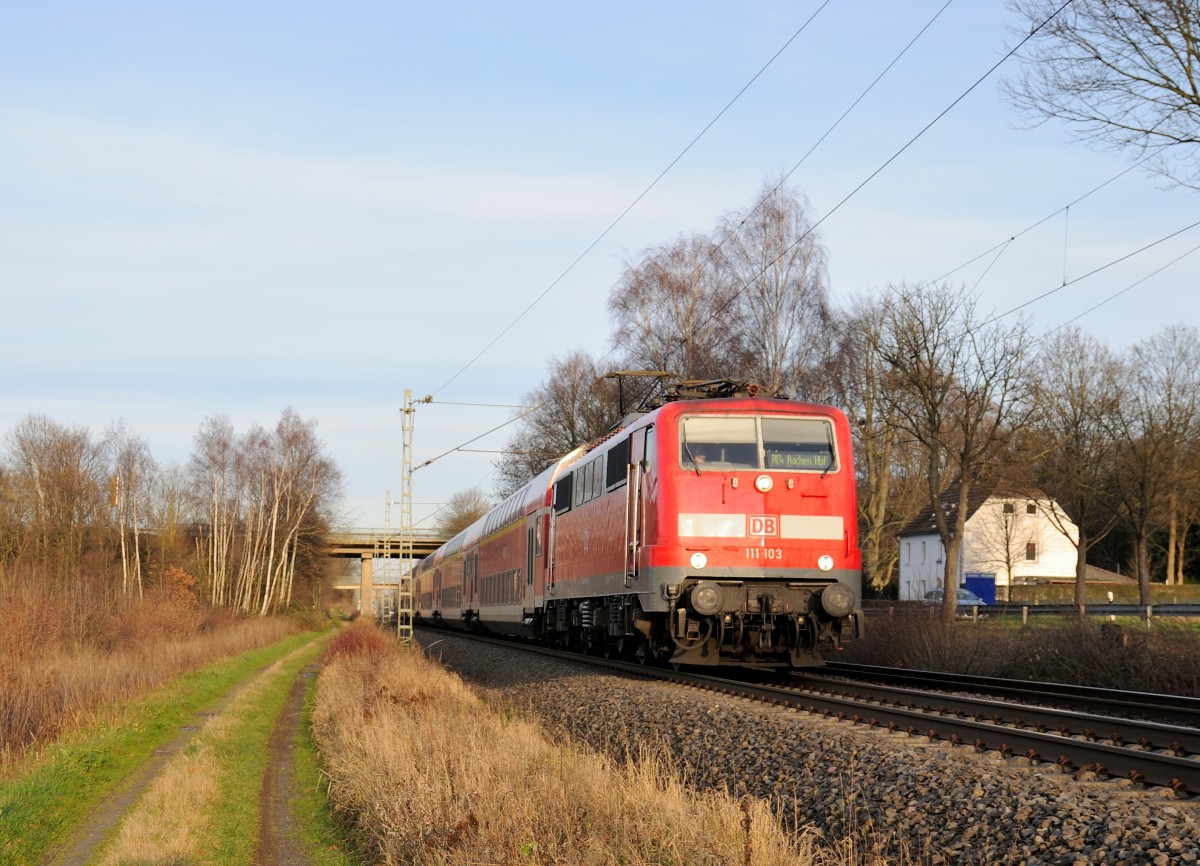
x=643, y=653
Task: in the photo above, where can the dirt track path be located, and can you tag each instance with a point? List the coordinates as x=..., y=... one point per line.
x=86, y=842
x=277, y=830
x=278, y=837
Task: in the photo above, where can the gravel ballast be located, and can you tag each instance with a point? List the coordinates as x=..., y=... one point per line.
x=896, y=795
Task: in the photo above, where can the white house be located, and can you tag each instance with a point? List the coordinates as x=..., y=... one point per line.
x=1017, y=538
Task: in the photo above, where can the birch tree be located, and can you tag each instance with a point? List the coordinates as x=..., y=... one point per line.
x=130, y=483
x=213, y=467
x=672, y=311
x=780, y=318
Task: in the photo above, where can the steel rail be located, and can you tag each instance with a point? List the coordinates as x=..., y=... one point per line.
x=1136, y=763
x=1147, y=734
x=1171, y=709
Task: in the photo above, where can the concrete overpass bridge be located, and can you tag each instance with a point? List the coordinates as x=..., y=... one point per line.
x=371, y=543
x=378, y=597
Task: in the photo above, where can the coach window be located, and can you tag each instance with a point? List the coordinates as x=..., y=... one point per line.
x=618, y=464
x=562, y=494
x=589, y=482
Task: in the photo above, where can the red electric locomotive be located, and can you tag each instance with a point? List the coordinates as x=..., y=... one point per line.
x=704, y=532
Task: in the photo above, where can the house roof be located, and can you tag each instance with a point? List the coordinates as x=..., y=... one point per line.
x=924, y=524
x=1095, y=574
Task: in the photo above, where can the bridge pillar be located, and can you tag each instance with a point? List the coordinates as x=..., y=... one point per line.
x=365, y=591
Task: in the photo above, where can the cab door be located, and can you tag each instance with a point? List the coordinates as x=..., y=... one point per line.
x=641, y=444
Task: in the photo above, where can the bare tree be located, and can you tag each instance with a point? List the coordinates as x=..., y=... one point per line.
x=59, y=478
x=960, y=388
x=268, y=496
x=1080, y=396
x=1122, y=72
x=670, y=311
x=168, y=511
x=1158, y=421
x=133, y=470
x=891, y=487
x=12, y=530
x=780, y=318
x=575, y=406
x=463, y=509
x=214, y=469
x=1186, y=511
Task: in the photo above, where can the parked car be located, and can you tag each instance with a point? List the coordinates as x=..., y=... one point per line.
x=966, y=600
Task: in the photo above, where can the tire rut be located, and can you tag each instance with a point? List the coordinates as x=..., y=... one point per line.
x=277, y=826
x=278, y=835
x=85, y=844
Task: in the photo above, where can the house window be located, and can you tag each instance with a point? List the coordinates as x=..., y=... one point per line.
x=1031, y=551
x=908, y=552
x=1008, y=508
x=1030, y=508
x=924, y=559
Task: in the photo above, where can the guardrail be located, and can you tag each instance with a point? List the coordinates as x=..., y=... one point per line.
x=1147, y=612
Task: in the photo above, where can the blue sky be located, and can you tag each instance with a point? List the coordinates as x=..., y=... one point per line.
x=240, y=207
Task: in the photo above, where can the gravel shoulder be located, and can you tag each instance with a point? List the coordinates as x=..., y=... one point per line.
x=897, y=796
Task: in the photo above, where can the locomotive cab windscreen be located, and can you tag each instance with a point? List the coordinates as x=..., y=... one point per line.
x=781, y=444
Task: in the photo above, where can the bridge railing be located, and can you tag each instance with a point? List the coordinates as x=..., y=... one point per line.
x=424, y=534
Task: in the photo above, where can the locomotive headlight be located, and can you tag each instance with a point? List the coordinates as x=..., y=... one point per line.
x=825, y=563
x=706, y=598
x=763, y=483
x=837, y=599
x=699, y=560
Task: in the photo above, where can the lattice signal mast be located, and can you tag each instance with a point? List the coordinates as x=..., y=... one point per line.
x=404, y=587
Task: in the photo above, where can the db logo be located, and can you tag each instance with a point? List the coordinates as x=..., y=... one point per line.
x=764, y=525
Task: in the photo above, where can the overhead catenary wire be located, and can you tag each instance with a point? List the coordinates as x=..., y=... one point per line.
x=1131, y=286
x=804, y=235
x=1093, y=272
x=521, y=315
x=854, y=104
x=512, y=420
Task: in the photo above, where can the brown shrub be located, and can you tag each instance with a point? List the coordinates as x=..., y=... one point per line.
x=361, y=638
x=60, y=661
x=1089, y=652
x=918, y=638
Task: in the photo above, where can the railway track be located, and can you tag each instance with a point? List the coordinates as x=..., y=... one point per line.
x=1088, y=743
x=1169, y=709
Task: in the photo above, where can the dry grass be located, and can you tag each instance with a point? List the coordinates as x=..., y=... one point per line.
x=167, y=827
x=173, y=822
x=425, y=773
x=59, y=664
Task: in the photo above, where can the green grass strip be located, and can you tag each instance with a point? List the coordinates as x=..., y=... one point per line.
x=242, y=755
x=39, y=811
x=323, y=838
